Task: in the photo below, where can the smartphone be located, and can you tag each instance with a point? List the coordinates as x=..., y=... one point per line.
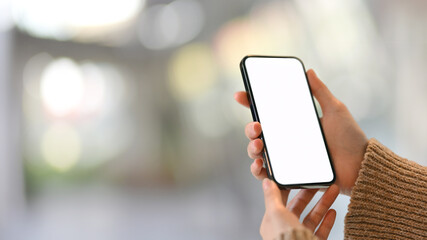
x=295, y=153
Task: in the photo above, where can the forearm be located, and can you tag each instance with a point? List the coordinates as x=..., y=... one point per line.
x=389, y=199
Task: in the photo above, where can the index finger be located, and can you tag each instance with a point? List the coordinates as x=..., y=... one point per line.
x=316, y=215
x=242, y=98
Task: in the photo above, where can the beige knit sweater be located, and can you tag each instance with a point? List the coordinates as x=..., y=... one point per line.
x=389, y=200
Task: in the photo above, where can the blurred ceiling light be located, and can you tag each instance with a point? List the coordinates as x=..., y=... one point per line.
x=61, y=147
x=62, y=87
x=192, y=71
x=164, y=26
x=100, y=13
x=6, y=22
x=63, y=20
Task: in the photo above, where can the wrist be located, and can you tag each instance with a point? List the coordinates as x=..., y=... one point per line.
x=357, y=165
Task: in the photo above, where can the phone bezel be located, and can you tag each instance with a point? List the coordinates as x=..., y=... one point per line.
x=255, y=117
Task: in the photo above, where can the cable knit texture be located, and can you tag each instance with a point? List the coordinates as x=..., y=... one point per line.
x=389, y=200
x=297, y=234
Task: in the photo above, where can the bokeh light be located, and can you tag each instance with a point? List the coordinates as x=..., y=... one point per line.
x=62, y=87
x=94, y=89
x=269, y=29
x=61, y=146
x=163, y=26
x=90, y=98
x=192, y=71
x=235, y=40
x=190, y=19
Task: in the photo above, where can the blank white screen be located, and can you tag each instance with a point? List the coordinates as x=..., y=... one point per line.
x=289, y=121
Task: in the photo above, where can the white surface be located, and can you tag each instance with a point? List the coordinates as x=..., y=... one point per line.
x=288, y=118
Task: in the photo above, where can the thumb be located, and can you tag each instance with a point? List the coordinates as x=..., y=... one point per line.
x=321, y=92
x=272, y=195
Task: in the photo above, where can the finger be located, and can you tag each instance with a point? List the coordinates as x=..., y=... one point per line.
x=318, y=212
x=242, y=98
x=321, y=92
x=326, y=226
x=255, y=148
x=285, y=194
x=273, y=197
x=301, y=200
x=257, y=170
x=253, y=130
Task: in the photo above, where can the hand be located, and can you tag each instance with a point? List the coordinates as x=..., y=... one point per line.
x=346, y=141
x=279, y=218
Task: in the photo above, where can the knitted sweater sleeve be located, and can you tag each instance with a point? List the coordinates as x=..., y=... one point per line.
x=389, y=200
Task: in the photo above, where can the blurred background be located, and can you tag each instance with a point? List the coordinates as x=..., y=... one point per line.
x=117, y=118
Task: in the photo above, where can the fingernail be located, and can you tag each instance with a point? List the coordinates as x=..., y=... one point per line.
x=266, y=183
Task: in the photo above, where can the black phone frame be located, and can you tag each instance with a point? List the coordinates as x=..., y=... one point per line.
x=255, y=117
